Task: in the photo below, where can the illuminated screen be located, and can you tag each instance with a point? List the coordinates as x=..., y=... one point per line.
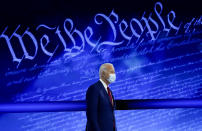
x=52, y=50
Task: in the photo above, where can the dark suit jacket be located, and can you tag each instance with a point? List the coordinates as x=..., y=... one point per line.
x=99, y=112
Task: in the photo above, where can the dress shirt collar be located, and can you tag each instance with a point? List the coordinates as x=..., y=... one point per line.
x=104, y=84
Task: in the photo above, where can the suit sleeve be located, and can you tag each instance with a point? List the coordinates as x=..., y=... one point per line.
x=91, y=110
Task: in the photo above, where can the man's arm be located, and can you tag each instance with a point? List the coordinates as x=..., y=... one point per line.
x=92, y=104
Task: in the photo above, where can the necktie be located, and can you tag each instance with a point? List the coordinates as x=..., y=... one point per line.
x=110, y=95
x=111, y=100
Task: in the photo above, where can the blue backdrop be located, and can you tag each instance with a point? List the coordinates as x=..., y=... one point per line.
x=52, y=51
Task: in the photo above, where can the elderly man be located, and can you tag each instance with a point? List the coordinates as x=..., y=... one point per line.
x=100, y=101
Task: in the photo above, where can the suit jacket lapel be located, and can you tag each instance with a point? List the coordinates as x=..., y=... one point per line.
x=105, y=92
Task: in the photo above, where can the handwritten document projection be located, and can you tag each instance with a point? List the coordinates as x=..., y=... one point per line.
x=54, y=54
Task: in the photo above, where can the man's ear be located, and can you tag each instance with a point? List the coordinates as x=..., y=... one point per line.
x=103, y=74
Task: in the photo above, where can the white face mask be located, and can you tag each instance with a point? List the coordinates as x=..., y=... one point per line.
x=112, y=78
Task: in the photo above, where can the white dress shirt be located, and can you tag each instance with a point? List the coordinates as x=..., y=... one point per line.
x=104, y=84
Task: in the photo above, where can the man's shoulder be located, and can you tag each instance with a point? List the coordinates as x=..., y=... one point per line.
x=96, y=83
x=94, y=86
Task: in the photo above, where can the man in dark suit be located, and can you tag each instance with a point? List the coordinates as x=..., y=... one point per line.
x=100, y=102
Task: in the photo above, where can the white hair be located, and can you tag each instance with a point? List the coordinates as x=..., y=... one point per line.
x=103, y=67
